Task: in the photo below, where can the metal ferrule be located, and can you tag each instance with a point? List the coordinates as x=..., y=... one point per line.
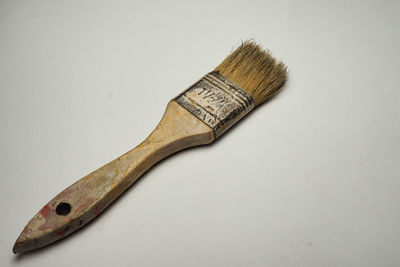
x=217, y=102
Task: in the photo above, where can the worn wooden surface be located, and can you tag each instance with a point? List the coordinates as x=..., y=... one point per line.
x=85, y=199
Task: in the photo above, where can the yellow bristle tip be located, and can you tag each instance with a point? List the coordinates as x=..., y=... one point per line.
x=254, y=70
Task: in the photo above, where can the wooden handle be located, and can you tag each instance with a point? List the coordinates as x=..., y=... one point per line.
x=177, y=130
x=85, y=199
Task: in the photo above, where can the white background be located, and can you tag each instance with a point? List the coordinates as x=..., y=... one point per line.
x=309, y=179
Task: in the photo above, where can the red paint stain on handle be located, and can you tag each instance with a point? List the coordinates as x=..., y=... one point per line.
x=27, y=231
x=45, y=211
x=75, y=211
x=62, y=233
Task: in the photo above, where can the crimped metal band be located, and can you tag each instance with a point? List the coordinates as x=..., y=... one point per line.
x=216, y=101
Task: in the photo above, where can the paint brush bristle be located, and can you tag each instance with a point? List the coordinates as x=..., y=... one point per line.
x=254, y=70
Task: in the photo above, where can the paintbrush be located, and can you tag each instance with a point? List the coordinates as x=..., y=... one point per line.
x=198, y=116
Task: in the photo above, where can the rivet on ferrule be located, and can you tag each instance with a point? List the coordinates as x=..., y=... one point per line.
x=217, y=102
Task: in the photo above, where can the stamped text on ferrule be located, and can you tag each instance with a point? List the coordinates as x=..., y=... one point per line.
x=216, y=101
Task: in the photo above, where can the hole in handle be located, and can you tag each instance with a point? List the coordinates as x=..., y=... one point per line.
x=63, y=208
